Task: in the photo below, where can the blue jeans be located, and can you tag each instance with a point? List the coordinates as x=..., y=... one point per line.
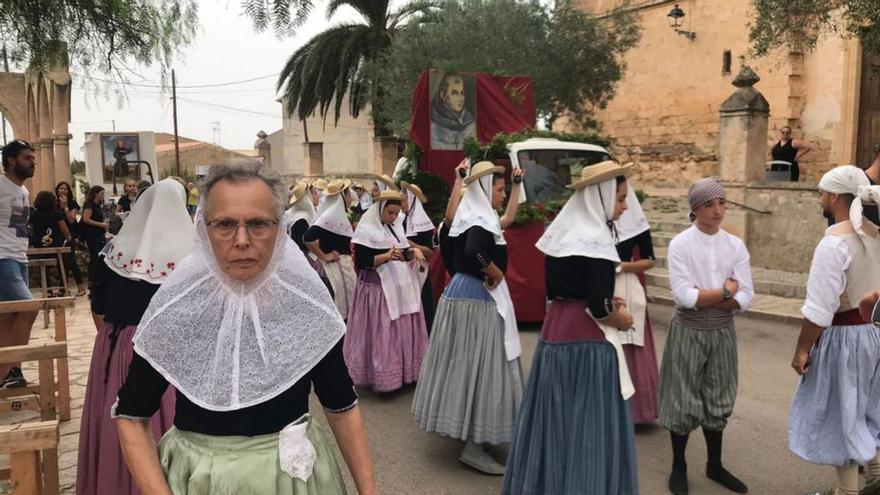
x=13, y=280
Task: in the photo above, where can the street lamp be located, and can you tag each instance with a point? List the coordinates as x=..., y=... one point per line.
x=675, y=17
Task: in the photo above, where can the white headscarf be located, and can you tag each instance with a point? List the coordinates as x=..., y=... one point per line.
x=633, y=221
x=365, y=200
x=227, y=345
x=849, y=179
x=417, y=220
x=400, y=285
x=333, y=217
x=582, y=227
x=475, y=210
x=303, y=209
x=157, y=234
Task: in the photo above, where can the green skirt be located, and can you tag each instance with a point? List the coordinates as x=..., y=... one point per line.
x=197, y=464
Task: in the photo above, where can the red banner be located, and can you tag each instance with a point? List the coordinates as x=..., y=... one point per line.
x=502, y=104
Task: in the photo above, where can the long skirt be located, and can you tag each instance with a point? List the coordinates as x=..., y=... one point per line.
x=342, y=281
x=644, y=371
x=198, y=464
x=379, y=352
x=100, y=466
x=835, y=414
x=468, y=389
x=575, y=433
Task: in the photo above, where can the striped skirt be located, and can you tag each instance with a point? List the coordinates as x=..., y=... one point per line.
x=698, y=378
x=835, y=414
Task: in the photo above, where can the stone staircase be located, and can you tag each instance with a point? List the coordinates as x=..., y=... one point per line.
x=779, y=295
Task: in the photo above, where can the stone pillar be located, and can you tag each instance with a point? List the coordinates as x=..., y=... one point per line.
x=313, y=164
x=264, y=149
x=61, y=131
x=47, y=144
x=742, y=136
x=384, y=155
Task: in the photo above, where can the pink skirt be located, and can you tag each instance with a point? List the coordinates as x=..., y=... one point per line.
x=379, y=352
x=101, y=469
x=642, y=364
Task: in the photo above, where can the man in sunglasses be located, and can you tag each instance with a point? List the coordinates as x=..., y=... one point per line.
x=19, y=161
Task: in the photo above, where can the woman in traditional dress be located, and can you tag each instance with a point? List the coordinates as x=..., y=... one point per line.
x=386, y=336
x=300, y=215
x=636, y=251
x=157, y=235
x=420, y=231
x=329, y=239
x=243, y=329
x=471, y=383
x=575, y=434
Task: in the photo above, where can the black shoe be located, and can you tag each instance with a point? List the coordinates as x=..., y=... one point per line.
x=678, y=481
x=727, y=480
x=14, y=379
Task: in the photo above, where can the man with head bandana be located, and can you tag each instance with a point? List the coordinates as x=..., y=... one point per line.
x=710, y=278
x=835, y=415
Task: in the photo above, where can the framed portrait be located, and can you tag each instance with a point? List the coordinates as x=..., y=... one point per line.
x=116, y=149
x=453, y=109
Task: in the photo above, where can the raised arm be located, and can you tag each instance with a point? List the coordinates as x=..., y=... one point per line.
x=513, y=202
x=803, y=147
x=455, y=193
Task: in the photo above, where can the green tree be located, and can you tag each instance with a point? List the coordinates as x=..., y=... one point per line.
x=95, y=35
x=574, y=59
x=330, y=66
x=797, y=24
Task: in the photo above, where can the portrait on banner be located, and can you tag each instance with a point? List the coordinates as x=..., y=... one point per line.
x=453, y=110
x=116, y=150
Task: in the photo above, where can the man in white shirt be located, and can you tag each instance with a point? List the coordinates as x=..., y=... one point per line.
x=835, y=414
x=19, y=161
x=710, y=277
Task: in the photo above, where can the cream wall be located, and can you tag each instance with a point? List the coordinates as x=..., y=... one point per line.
x=665, y=113
x=92, y=152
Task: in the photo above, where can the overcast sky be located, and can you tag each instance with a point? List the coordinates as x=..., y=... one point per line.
x=226, y=49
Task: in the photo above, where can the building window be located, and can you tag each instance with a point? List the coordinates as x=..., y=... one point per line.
x=725, y=63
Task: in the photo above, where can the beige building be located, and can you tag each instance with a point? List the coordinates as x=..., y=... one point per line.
x=193, y=153
x=665, y=113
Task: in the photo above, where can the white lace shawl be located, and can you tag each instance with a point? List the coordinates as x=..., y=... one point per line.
x=333, y=217
x=475, y=210
x=417, y=219
x=633, y=221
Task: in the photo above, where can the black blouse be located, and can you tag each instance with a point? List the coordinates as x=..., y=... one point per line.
x=475, y=249
x=141, y=394
x=447, y=249
x=121, y=300
x=582, y=278
x=364, y=257
x=643, y=241
x=43, y=223
x=425, y=238
x=298, y=231
x=90, y=231
x=328, y=241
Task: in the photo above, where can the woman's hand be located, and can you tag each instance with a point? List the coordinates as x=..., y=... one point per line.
x=494, y=276
x=105, y=225
x=866, y=305
x=463, y=165
x=801, y=361
x=331, y=257
x=517, y=173
x=396, y=254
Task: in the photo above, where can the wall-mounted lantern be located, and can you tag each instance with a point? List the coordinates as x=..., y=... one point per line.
x=676, y=18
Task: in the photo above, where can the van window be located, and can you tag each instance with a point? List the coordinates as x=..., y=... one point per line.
x=548, y=171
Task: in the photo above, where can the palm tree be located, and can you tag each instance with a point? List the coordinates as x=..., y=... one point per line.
x=333, y=64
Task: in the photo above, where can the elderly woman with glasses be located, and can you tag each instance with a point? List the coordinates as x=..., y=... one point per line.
x=243, y=328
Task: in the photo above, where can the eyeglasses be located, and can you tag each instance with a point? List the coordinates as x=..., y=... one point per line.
x=257, y=228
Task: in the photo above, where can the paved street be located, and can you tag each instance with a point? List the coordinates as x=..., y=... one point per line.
x=409, y=461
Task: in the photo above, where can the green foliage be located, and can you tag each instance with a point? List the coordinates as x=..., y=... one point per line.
x=186, y=176
x=797, y=24
x=497, y=148
x=95, y=36
x=540, y=212
x=641, y=195
x=435, y=188
x=573, y=58
x=77, y=167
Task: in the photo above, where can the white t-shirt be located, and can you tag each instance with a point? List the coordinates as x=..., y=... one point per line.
x=14, y=212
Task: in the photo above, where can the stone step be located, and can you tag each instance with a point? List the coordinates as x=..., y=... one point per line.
x=661, y=239
x=765, y=307
x=767, y=282
x=668, y=226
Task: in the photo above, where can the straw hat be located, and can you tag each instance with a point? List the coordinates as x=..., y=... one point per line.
x=387, y=180
x=482, y=169
x=337, y=186
x=388, y=195
x=320, y=184
x=298, y=191
x=416, y=190
x=600, y=172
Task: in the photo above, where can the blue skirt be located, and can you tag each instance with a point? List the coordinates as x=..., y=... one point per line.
x=575, y=433
x=835, y=414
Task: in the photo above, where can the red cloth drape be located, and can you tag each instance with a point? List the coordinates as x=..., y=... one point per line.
x=525, y=271
x=503, y=104
x=438, y=277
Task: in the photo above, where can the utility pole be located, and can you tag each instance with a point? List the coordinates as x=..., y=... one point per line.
x=5, y=69
x=113, y=122
x=215, y=132
x=176, y=137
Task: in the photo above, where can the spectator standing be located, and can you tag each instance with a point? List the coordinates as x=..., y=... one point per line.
x=66, y=203
x=47, y=228
x=130, y=191
x=192, y=198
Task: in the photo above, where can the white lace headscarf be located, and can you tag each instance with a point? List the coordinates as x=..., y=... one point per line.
x=582, y=227
x=417, y=219
x=849, y=179
x=375, y=234
x=157, y=234
x=303, y=209
x=475, y=210
x=226, y=344
x=332, y=215
x=633, y=221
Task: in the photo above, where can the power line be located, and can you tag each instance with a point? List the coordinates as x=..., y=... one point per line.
x=194, y=86
x=233, y=109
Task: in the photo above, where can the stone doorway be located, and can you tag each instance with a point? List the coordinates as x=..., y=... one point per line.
x=869, y=110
